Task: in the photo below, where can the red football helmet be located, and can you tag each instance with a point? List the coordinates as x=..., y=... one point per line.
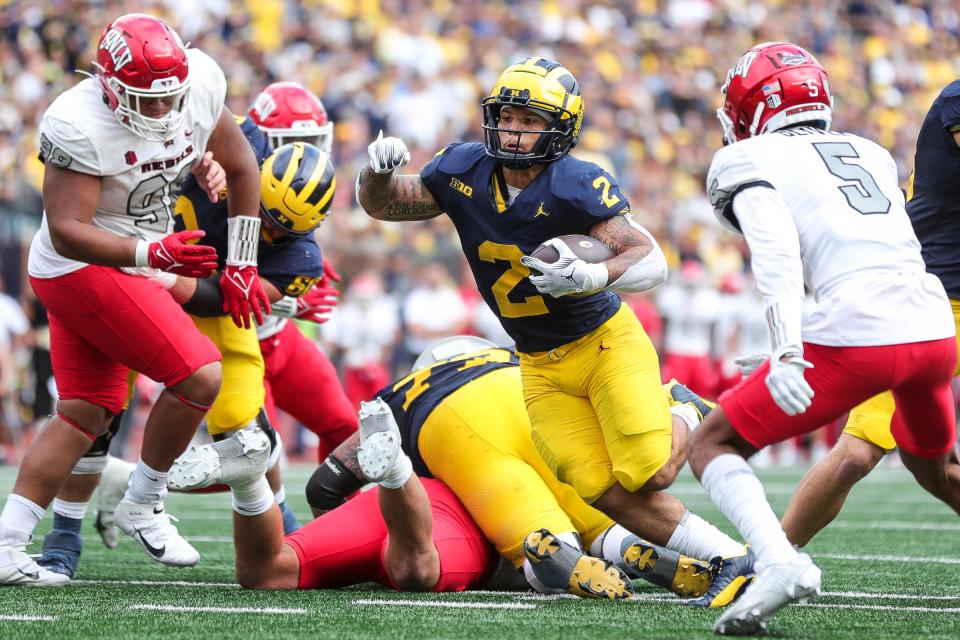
x=141, y=59
x=287, y=112
x=774, y=85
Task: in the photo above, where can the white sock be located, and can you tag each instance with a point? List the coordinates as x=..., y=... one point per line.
x=75, y=510
x=281, y=495
x=607, y=545
x=737, y=492
x=146, y=485
x=697, y=538
x=19, y=517
x=252, y=499
x=686, y=413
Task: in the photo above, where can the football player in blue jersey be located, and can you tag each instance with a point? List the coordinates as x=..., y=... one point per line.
x=297, y=185
x=933, y=204
x=591, y=377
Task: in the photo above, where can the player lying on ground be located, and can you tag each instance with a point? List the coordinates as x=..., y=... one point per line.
x=462, y=421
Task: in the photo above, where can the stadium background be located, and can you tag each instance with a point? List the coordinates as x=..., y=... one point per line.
x=651, y=71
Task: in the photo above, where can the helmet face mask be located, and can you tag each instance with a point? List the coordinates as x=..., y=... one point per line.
x=549, y=90
x=773, y=86
x=286, y=112
x=140, y=61
x=297, y=184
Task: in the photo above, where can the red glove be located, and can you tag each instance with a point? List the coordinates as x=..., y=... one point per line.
x=329, y=274
x=174, y=255
x=315, y=305
x=243, y=293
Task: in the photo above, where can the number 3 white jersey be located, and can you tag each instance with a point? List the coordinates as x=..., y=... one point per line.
x=141, y=178
x=830, y=204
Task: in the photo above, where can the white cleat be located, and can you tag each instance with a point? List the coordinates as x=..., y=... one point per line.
x=241, y=457
x=149, y=524
x=17, y=568
x=110, y=491
x=775, y=587
x=379, y=440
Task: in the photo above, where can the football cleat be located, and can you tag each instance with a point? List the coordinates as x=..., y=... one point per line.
x=239, y=458
x=683, y=576
x=17, y=568
x=379, y=440
x=61, y=552
x=681, y=394
x=730, y=577
x=149, y=524
x=562, y=566
x=775, y=587
x=110, y=491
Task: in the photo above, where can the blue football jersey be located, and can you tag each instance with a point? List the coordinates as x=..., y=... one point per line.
x=569, y=196
x=413, y=398
x=292, y=267
x=934, y=197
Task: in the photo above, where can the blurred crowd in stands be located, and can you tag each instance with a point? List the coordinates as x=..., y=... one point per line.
x=650, y=71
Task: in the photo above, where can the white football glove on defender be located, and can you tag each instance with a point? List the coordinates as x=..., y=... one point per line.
x=387, y=154
x=785, y=380
x=569, y=274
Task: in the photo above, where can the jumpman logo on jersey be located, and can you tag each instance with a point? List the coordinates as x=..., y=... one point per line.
x=540, y=212
x=603, y=348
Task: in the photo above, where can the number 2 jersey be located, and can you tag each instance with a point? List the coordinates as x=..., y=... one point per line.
x=569, y=196
x=292, y=266
x=140, y=178
x=846, y=227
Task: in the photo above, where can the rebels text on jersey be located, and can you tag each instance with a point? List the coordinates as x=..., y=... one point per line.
x=413, y=398
x=824, y=209
x=569, y=196
x=140, y=178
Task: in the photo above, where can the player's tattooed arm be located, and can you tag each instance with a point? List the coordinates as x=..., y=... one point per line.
x=392, y=197
x=627, y=239
x=346, y=454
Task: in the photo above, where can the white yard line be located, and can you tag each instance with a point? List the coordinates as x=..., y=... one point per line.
x=865, y=595
x=157, y=583
x=878, y=607
x=447, y=605
x=177, y=609
x=22, y=618
x=896, y=526
x=883, y=558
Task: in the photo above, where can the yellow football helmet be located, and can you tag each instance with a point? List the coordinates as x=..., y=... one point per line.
x=296, y=187
x=549, y=89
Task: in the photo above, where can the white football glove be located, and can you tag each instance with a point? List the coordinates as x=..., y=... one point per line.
x=569, y=274
x=387, y=154
x=749, y=364
x=785, y=380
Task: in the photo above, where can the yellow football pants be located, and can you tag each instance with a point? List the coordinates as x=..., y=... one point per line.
x=597, y=409
x=241, y=390
x=870, y=420
x=478, y=442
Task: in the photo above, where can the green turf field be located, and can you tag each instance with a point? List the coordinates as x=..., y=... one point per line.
x=891, y=567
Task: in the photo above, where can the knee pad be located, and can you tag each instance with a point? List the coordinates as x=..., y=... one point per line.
x=330, y=485
x=89, y=464
x=100, y=447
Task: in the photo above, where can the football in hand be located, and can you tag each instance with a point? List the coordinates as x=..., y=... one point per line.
x=584, y=247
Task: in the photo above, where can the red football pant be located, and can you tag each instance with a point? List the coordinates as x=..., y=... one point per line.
x=362, y=383
x=347, y=545
x=301, y=380
x=919, y=374
x=104, y=322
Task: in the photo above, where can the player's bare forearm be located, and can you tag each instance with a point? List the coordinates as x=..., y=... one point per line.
x=391, y=197
x=231, y=149
x=628, y=243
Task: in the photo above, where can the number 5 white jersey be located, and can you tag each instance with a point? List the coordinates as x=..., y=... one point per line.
x=140, y=178
x=836, y=212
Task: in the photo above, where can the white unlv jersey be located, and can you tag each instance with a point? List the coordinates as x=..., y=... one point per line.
x=860, y=256
x=141, y=178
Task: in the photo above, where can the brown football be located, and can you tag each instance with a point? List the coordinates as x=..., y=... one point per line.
x=584, y=247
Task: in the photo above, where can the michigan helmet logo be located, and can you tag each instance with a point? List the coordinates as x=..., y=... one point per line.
x=297, y=184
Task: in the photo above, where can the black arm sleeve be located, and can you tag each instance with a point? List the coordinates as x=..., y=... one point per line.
x=330, y=486
x=207, y=301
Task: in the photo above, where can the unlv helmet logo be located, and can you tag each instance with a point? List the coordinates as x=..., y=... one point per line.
x=116, y=45
x=264, y=105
